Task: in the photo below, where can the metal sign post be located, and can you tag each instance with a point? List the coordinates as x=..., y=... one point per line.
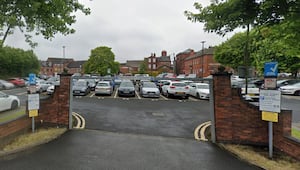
x=33, y=106
x=270, y=100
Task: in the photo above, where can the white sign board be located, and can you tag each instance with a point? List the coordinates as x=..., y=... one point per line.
x=270, y=100
x=33, y=101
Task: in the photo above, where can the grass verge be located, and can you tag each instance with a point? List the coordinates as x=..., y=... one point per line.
x=40, y=136
x=12, y=114
x=296, y=133
x=259, y=157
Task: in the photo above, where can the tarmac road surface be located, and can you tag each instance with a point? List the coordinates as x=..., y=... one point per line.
x=94, y=149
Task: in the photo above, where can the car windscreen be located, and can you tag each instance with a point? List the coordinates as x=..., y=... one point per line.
x=126, y=84
x=103, y=84
x=203, y=86
x=179, y=84
x=80, y=83
x=151, y=85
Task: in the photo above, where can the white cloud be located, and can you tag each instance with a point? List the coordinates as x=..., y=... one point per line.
x=133, y=29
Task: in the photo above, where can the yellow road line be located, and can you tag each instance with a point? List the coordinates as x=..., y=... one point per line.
x=201, y=128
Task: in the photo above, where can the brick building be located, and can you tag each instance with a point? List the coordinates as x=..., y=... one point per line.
x=201, y=63
x=76, y=67
x=131, y=66
x=53, y=66
x=160, y=64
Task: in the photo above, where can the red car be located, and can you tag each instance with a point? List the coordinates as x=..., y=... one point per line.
x=17, y=82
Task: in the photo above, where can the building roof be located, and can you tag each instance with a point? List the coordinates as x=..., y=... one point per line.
x=59, y=60
x=134, y=63
x=76, y=64
x=164, y=59
x=187, y=51
x=207, y=51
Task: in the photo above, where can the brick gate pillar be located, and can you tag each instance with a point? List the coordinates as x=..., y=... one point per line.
x=222, y=99
x=55, y=110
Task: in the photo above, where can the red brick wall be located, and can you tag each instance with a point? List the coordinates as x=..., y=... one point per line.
x=53, y=111
x=237, y=121
x=8, y=130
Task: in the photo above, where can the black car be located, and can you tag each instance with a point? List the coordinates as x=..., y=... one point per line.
x=126, y=88
x=81, y=88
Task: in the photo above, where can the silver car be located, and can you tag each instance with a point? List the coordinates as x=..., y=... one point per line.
x=149, y=89
x=103, y=87
x=6, y=85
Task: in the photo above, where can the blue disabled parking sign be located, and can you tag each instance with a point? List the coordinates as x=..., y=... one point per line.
x=271, y=69
x=32, y=78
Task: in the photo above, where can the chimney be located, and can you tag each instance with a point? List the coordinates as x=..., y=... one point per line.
x=164, y=53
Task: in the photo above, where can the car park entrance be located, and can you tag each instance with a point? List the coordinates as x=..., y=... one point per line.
x=169, y=118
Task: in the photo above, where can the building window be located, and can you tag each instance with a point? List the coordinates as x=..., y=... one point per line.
x=154, y=66
x=149, y=60
x=153, y=60
x=149, y=66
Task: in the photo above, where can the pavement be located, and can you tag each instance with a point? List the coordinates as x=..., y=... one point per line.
x=95, y=149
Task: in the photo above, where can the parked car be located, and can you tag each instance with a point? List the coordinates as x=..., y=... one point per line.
x=6, y=85
x=291, y=89
x=191, y=76
x=50, y=89
x=285, y=82
x=18, y=82
x=91, y=83
x=39, y=87
x=81, y=88
x=54, y=80
x=160, y=83
x=199, y=90
x=175, y=88
x=103, y=87
x=252, y=92
x=187, y=82
x=141, y=83
x=117, y=83
x=180, y=76
x=8, y=102
x=149, y=89
x=126, y=88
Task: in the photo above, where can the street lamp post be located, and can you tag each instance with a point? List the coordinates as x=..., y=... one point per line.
x=202, y=60
x=63, y=60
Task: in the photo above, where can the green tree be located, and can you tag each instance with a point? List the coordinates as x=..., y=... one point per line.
x=17, y=62
x=278, y=44
x=230, y=52
x=101, y=61
x=280, y=16
x=38, y=17
x=143, y=68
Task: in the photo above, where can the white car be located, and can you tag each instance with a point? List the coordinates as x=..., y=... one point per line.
x=252, y=92
x=199, y=90
x=8, y=102
x=175, y=88
x=50, y=89
x=291, y=89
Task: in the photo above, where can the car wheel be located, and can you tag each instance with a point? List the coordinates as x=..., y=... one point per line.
x=14, y=105
x=187, y=97
x=297, y=93
x=198, y=96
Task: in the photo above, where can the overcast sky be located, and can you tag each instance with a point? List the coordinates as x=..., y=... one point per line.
x=132, y=28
